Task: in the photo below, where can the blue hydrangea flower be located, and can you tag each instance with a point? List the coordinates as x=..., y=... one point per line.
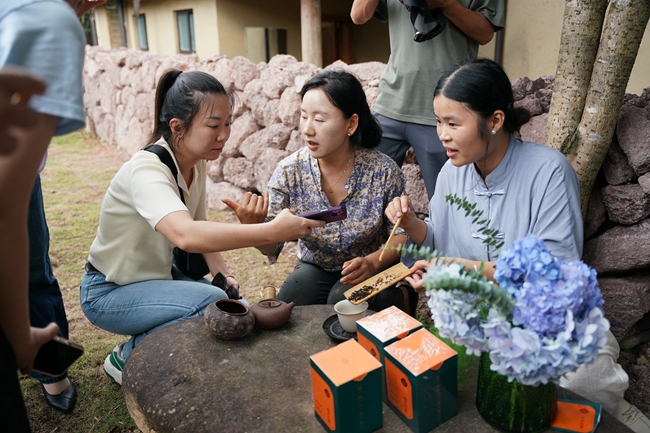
x=557, y=323
x=526, y=259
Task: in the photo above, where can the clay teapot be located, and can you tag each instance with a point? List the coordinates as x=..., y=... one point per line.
x=271, y=313
x=229, y=319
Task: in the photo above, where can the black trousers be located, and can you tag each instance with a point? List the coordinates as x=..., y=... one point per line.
x=13, y=416
x=309, y=284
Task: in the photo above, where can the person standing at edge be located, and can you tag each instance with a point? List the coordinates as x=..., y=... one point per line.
x=19, y=161
x=46, y=37
x=404, y=104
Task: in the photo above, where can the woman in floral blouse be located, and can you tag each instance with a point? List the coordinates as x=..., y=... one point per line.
x=338, y=166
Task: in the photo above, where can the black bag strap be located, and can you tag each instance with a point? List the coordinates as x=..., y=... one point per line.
x=166, y=159
x=420, y=7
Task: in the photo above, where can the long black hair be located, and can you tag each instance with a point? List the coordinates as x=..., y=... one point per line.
x=483, y=86
x=346, y=93
x=180, y=95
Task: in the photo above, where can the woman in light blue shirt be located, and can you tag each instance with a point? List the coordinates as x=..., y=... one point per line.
x=522, y=188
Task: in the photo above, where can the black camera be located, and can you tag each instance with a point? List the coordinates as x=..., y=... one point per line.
x=420, y=7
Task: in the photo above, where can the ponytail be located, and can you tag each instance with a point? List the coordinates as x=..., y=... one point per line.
x=160, y=126
x=180, y=96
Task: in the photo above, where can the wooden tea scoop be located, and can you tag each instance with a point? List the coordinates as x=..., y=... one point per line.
x=399, y=220
x=373, y=285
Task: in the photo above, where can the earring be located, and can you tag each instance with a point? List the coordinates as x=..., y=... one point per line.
x=349, y=135
x=494, y=132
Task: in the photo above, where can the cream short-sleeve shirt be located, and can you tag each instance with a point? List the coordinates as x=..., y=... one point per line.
x=127, y=247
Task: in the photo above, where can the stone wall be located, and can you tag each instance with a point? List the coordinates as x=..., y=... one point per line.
x=617, y=224
x=119, y=97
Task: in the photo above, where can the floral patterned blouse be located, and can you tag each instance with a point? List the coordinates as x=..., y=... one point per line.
x=375, y=181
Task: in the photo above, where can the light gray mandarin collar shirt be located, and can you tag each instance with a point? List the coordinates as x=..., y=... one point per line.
x=534, y=190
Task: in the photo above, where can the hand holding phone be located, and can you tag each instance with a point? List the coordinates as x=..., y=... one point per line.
x=335, y=213
x=56, y=356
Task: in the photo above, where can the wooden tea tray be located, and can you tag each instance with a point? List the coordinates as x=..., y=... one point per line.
x=375, y=284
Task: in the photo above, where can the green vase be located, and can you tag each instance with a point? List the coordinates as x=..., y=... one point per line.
x=510, y=406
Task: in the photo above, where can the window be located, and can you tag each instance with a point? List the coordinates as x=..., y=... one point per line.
x=263, y=43
x=186, y=43
x=116, y=23
x=142, y=32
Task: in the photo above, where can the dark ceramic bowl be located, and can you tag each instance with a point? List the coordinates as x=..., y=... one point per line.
x=229, y=319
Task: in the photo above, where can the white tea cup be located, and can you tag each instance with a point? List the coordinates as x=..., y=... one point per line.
x=348, y=314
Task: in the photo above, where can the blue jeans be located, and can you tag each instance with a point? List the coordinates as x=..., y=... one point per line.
x=140, y=308
x=45, y=300
x=398, y=136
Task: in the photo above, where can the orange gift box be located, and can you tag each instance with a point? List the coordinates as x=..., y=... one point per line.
x=378, y=330
x=346, y=385
x=422, y=380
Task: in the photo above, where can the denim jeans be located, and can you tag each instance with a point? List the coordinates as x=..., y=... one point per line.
x=140, y=308
x=45, y=300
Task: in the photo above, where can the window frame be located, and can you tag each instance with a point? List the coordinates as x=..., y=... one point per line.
x=142, y=20
x=188, y=15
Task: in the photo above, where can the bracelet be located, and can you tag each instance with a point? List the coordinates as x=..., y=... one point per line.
x=231, y=276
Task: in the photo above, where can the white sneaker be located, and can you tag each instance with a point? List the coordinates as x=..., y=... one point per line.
x=114, y=364
x=632, y=417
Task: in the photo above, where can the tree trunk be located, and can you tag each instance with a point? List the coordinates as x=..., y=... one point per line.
x=581, y=30
x=310, y=32
x=623, y=29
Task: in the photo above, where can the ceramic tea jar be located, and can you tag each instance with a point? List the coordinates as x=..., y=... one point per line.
x=229, y=319
x=271, y=313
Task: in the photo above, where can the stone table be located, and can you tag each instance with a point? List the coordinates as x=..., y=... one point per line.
x=183, y=379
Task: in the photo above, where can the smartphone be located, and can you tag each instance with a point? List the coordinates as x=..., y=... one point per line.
x=56, y=356
x=336, y=213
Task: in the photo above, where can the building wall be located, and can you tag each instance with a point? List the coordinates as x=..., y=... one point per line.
x=235, y=15
x=531, y=37
x=531, y=45
x=162, y=31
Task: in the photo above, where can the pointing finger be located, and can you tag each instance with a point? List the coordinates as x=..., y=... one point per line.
x=231, y=204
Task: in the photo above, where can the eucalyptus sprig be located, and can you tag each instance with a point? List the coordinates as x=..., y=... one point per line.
x=473, y=281
x=469, y=280
x=490, y=239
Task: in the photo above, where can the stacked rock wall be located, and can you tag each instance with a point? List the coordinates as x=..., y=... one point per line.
x=617, y=225
x=119, y=98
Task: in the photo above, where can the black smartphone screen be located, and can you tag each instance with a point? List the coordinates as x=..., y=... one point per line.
x=56, y=356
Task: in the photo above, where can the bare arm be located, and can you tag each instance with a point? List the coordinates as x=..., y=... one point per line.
x=363, y=10
x=420, y=267
x=18, y=166
x=217, y=264
x=472, y=23
x=488, y=267
x=209, y=236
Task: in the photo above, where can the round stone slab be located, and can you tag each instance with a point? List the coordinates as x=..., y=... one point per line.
x=182, y=378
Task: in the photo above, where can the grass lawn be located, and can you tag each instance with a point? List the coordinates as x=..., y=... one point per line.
x=77, y=175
